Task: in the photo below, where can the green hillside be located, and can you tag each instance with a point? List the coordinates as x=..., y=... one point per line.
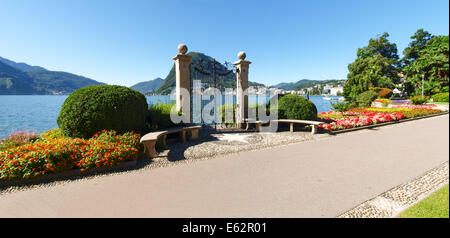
x=14, y=81
x=20, y=66
x=55, y=82
x=307, y=83
x=148, y=86
x=23, y=79
x=203, y=63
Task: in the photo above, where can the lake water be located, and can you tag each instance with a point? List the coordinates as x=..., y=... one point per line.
x=38, y=113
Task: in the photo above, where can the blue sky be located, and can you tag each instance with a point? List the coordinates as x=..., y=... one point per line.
x=125, y=42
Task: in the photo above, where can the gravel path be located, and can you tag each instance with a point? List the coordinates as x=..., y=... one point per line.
x=218, y=143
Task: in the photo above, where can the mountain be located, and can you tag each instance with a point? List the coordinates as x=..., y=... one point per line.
x=14, y=81
x=55, y=82
x=307, y=83
x=201, y=69
x=148, y=86
x=20, y=66
x=23, y=79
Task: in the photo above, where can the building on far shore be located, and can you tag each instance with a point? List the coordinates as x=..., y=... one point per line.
x=336, y=90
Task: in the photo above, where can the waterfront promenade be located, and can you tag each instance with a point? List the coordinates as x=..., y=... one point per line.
x=321, y=178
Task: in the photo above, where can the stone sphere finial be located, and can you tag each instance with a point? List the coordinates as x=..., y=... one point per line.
x=182, y=48
x=242, y=55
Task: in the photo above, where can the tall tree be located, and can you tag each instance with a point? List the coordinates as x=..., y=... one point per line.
x=418, y=43
x=433, y=64
x=376, y=65
x=379, y=45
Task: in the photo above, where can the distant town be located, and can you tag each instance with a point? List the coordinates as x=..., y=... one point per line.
x=318, y=89
x=302, y=87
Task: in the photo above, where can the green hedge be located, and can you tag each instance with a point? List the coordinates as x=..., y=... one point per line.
x=343, y=106
x=440, y=97
x=365, y=99
x=102, y=107
x=418, y=100
x=296, y=107
x=158, y=117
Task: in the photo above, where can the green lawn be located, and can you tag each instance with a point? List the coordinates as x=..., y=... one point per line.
x=434, y=206
x=439, y=103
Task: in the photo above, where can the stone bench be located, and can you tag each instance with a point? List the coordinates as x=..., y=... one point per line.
x=314, y=124
x=149, y=140
x=258, y=124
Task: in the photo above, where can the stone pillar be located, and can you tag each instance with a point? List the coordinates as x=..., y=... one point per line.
x=183, y=81
x=241, y=89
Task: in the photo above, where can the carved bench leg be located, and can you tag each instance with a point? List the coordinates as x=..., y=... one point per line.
x=291, y=127
x=258, y=126
x=314, y=129
x=162, y=141
x=194, y=134
x=150, y=148
x=183, y=136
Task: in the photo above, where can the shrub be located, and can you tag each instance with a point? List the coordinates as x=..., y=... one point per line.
x=158, y=117
x=17, y=138
x=343, y=106
x=51, y=134
x=99, y=107
x=418, y=100
x=366, y=98
x=440, y=97
x=296, y=107
x=228, y=109
x=253, y=110
x=382, y=92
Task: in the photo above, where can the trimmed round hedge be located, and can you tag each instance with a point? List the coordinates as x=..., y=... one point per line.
x=440, y=97
x=102, y=107
x=296, y=107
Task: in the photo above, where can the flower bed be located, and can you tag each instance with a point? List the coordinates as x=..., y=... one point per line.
x=408, y=112
x=426, y=106
x=358, y=117
x=53, y=153
x=383, y=100
x=17, y=138
x=401, y=102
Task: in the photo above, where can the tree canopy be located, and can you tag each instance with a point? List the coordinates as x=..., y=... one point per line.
x=379, y=45
x=376, y=65
x=418, y=43
x=432, y=63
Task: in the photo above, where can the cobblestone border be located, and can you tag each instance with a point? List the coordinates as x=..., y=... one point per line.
x=396, y=200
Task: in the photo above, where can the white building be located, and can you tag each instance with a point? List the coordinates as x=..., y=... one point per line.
x=334, y=91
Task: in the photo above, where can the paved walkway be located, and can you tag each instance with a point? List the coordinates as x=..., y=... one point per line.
x=312, y=179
